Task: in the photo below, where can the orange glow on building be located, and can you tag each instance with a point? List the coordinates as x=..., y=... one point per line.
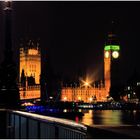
x=31, y=92
x=30, y=62
x=32, y=51
x=84, y=94
x=107, y=70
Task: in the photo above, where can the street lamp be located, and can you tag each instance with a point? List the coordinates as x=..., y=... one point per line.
x=9, y=92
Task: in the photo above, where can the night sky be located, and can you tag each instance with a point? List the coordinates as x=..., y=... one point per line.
x=73, y=34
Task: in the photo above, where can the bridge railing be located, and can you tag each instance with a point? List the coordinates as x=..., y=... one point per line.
x=24, y=125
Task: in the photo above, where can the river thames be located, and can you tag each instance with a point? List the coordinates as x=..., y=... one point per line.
x=109, y=123
x=93, y=117
x=109, y=117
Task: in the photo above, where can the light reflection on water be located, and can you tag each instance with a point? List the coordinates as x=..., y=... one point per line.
x=97, y=117
x=106, y=117
x=109, y=117
x=88, y=118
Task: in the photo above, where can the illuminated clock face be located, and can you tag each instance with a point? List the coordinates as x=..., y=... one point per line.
x=107, y=54
x=115, y=54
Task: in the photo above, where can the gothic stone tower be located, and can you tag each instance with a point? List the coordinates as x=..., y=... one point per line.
x=30, y=60
x=111, y=54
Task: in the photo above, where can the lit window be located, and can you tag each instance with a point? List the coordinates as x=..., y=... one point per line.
x=32, y=52
x=51, y=97
x=65, y=110
x=90, y=99
x=128, y=88
x=65, y=98
x=79, y=98
x=138, y=83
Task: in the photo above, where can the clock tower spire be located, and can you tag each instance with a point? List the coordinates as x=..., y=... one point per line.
x=111, y=54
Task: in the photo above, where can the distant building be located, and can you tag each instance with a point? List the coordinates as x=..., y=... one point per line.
x=29, y=69
x=131, y=91
x=30, y=60
x=88, y=93
x=84, y=93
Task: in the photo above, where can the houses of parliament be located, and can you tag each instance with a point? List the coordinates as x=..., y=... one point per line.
x=88, y=93
x=30, y=70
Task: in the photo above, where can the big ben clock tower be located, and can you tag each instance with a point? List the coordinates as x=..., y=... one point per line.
x=111, y=56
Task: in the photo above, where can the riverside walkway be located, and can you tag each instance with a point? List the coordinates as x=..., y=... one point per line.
x=114, y=132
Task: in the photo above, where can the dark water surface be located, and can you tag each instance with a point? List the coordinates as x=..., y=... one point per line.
x=100, y=123
x=93, y=117
x=107, y=117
